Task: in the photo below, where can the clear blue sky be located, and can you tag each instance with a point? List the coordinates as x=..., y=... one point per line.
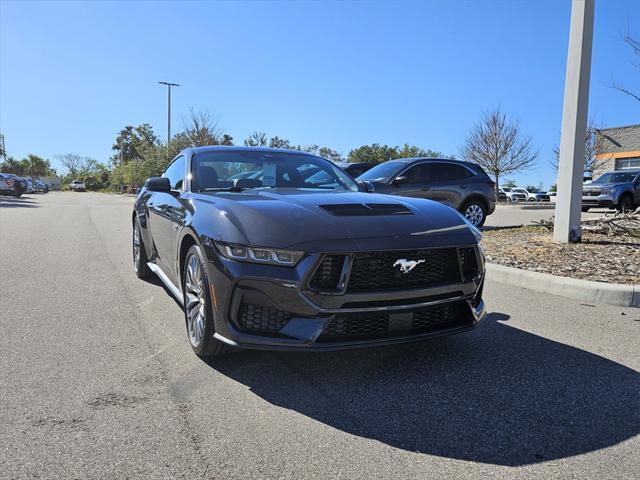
x=339, y=74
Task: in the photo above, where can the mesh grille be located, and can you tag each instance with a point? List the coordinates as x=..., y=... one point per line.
x=261, y=319
x=374, y=271
x=354, y=326
x=327, y=274
x=469, y=263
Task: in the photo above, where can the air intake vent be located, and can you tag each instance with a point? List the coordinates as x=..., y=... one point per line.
x=468, y=263
x=366, y=209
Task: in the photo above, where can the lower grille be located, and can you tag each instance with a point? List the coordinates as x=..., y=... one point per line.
x=358, y=326
x=254, y=318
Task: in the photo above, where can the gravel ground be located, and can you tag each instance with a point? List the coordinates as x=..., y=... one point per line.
x=598, y=257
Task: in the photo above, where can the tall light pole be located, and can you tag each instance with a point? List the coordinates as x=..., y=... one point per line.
x=169, y=85
x=574, y=124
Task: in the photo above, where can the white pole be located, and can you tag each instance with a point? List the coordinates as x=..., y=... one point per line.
x=574, y=124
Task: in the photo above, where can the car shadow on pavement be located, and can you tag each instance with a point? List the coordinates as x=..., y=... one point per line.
x=12, y=202
x=497, y=395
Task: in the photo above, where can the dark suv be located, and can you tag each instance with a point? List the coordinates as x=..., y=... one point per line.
x=462, y=185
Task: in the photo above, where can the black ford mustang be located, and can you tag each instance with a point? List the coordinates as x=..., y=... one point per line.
x=294, y=256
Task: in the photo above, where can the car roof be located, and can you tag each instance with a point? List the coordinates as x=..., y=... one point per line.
x=225, y=148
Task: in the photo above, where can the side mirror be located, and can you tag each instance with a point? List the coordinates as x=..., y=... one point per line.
x=365, y=187
x=157, y=184
x=401, y=180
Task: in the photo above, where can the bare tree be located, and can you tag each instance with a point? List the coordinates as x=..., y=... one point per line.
x=635, y=49
x=202, y=128
x=497, y=145
x=76, y=165
x=592, y=145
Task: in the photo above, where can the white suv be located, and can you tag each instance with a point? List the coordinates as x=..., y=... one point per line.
x=77, y=186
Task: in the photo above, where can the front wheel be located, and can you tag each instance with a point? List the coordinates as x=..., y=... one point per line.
x=475, y=212
x=139, y=253
x=625, y=204
x=198, y=311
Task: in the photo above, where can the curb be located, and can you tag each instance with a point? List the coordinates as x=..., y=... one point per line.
x=596, y=292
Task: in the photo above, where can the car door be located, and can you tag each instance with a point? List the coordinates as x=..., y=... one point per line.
x=165, y=217
x=451, y=183
x=413, y=182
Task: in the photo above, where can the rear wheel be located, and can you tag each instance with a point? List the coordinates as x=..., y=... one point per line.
x=139, y=253
x=198, y=311
x=475, y=211
x=625, y=204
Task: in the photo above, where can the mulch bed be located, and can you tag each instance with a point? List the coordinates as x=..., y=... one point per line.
x=602, y=258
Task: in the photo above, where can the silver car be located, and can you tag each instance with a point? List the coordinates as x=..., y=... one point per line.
x=618, y=189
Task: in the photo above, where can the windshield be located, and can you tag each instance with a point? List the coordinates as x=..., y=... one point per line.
x=382, y=171
x=239, y=170
x=616, y=177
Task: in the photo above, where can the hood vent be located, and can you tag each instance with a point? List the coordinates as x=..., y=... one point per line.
x=366, y=209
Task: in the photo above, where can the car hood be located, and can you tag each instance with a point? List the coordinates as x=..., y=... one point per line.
x=598, y=186
x=295, y=219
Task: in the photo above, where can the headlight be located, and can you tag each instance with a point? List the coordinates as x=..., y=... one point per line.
x=270, y=256
x=606, y=191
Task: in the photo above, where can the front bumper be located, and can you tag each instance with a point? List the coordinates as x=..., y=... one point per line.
x=600, y=201
x=311, y=315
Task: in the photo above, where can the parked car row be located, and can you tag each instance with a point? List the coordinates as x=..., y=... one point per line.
x=519, y=194
x=15, y=186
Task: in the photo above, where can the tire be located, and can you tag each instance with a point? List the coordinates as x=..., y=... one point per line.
x=625, y=203
x=198, y=311
x=532, y=200
x=17, y=194
x=585, y=209
x=475, y=211
x=139, y=253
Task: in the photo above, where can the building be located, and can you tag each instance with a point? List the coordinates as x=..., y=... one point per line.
x=618, y=148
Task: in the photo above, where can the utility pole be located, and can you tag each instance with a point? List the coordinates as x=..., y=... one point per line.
x=3, y=150
x=574, y=124
x=169, y=85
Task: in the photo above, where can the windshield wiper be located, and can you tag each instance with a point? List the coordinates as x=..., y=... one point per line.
x=224, y=189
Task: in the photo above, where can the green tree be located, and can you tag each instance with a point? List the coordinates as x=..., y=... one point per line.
x=11, y=165
x=412, y=151
x=256, y=139
x=277, y=142
x=374, y=153
x=133, y=142
x=36, y=166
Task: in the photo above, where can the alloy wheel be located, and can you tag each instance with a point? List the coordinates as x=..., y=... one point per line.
x=474, y=214
x=136, y=247
x=195, y=304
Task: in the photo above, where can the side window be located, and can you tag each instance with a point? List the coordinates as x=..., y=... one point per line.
x=443, y=172
x=418, y=173
x=175, y=173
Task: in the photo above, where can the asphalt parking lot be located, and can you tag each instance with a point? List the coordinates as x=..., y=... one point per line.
x=98, y=380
